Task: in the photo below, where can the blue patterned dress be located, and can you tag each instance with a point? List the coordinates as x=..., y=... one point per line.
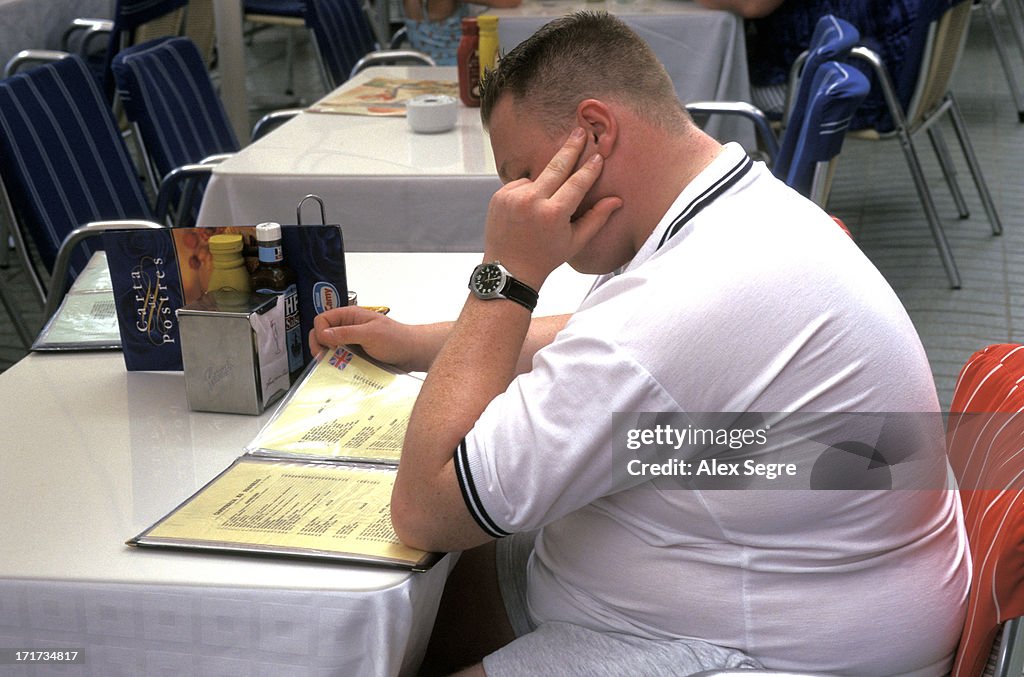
x=439, y=39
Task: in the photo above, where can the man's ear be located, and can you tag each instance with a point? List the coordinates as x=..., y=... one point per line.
x=600, y=124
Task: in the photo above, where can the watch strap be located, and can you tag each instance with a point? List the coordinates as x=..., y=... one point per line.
x=519, y=292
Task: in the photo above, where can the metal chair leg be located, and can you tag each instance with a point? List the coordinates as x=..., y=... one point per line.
x=16, y=319
x=1015, y=12
x=913, y=161
x=972, y=162
x=930, y=212
x=1003, y=51
x=5, y=245
x=948, y=170
x=289, y=59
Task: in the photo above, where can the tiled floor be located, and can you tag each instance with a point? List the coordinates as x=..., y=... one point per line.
x=873, y=194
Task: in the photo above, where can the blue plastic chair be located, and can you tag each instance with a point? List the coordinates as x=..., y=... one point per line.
x=834, y=94
x=180, y=123
x=833, y=39
x=169, y=98
x=65, y=171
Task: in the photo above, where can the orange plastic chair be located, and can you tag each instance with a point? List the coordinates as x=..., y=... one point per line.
x=985, y=436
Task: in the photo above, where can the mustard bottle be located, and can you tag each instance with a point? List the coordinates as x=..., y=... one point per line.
x=229, y=270
x=488, y=27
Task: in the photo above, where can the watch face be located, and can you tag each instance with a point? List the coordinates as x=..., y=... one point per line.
x=488, y=279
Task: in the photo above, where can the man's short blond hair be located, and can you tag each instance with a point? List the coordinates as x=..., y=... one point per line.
x=581, y=56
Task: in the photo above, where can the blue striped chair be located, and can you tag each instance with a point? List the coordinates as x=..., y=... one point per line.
x=180, y=123
x=832, y=40
x=64, y=170
x=816, y=132
x=169, y=99
x=345, y=42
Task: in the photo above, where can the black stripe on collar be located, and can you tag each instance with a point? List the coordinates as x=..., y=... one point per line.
x=727, y=181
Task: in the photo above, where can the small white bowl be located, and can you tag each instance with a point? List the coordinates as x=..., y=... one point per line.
x=431, y=113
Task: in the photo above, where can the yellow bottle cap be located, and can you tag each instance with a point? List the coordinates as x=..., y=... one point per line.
x=225, y=243
x=487, y=22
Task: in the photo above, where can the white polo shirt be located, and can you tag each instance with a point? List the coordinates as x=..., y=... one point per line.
x=746, y=298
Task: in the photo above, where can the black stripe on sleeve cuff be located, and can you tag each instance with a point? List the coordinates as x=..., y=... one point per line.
x=470, y=495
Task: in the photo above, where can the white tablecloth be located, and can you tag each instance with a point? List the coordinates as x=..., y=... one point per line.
x=92, y=455
x=38, y=24
x=390, y=189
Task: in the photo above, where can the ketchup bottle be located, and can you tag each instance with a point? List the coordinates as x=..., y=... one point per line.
x=469, y=62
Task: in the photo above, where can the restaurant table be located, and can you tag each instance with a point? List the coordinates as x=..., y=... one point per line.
x=39, y=24
x=703, y=50
x=389, y=188
x=93, y=454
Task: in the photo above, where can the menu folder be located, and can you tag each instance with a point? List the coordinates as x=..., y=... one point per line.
x=316, y=482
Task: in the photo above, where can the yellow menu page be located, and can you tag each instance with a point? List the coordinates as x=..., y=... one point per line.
x=346, y=407
x=290, y=507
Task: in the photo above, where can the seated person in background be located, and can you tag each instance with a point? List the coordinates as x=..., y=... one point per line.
x=707, y=301
x=779, y=30
x=435, y=26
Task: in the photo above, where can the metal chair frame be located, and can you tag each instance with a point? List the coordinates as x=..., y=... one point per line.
x=932, y=100
x=1015, y=20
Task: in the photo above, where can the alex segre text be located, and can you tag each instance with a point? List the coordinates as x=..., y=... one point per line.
x=691, y=437
x=764, y=450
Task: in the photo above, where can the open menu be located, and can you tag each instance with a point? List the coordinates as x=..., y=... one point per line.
x=382, y=97
x=316, y=482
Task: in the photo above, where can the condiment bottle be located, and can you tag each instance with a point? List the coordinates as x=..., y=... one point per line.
x=274, y=276
x=469, y=62
x=228, y=265
x=488, y=24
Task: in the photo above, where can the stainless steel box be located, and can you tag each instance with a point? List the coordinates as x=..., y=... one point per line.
x=233, y=351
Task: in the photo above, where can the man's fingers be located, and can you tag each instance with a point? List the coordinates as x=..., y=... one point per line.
x=587, y=225
x=574, y=188
x=560, y=167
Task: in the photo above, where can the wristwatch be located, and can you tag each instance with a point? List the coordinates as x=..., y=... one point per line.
x=492, y=281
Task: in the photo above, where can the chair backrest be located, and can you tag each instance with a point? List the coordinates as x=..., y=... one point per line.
x=167, y=93
x=836, y=91
x=913, y=90
x=946, y=36
x=138, y=21
x=342, y=34
x=832, y=40
x=985, y=436
x=63, y=162
x=201, y=27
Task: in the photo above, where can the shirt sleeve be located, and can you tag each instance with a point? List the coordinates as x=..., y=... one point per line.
x=544, y=447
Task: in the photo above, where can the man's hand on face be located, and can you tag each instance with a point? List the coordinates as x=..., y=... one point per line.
x=531, y=227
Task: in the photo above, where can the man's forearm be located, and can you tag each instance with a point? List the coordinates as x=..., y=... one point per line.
x=476, y=364
x=432, y=338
